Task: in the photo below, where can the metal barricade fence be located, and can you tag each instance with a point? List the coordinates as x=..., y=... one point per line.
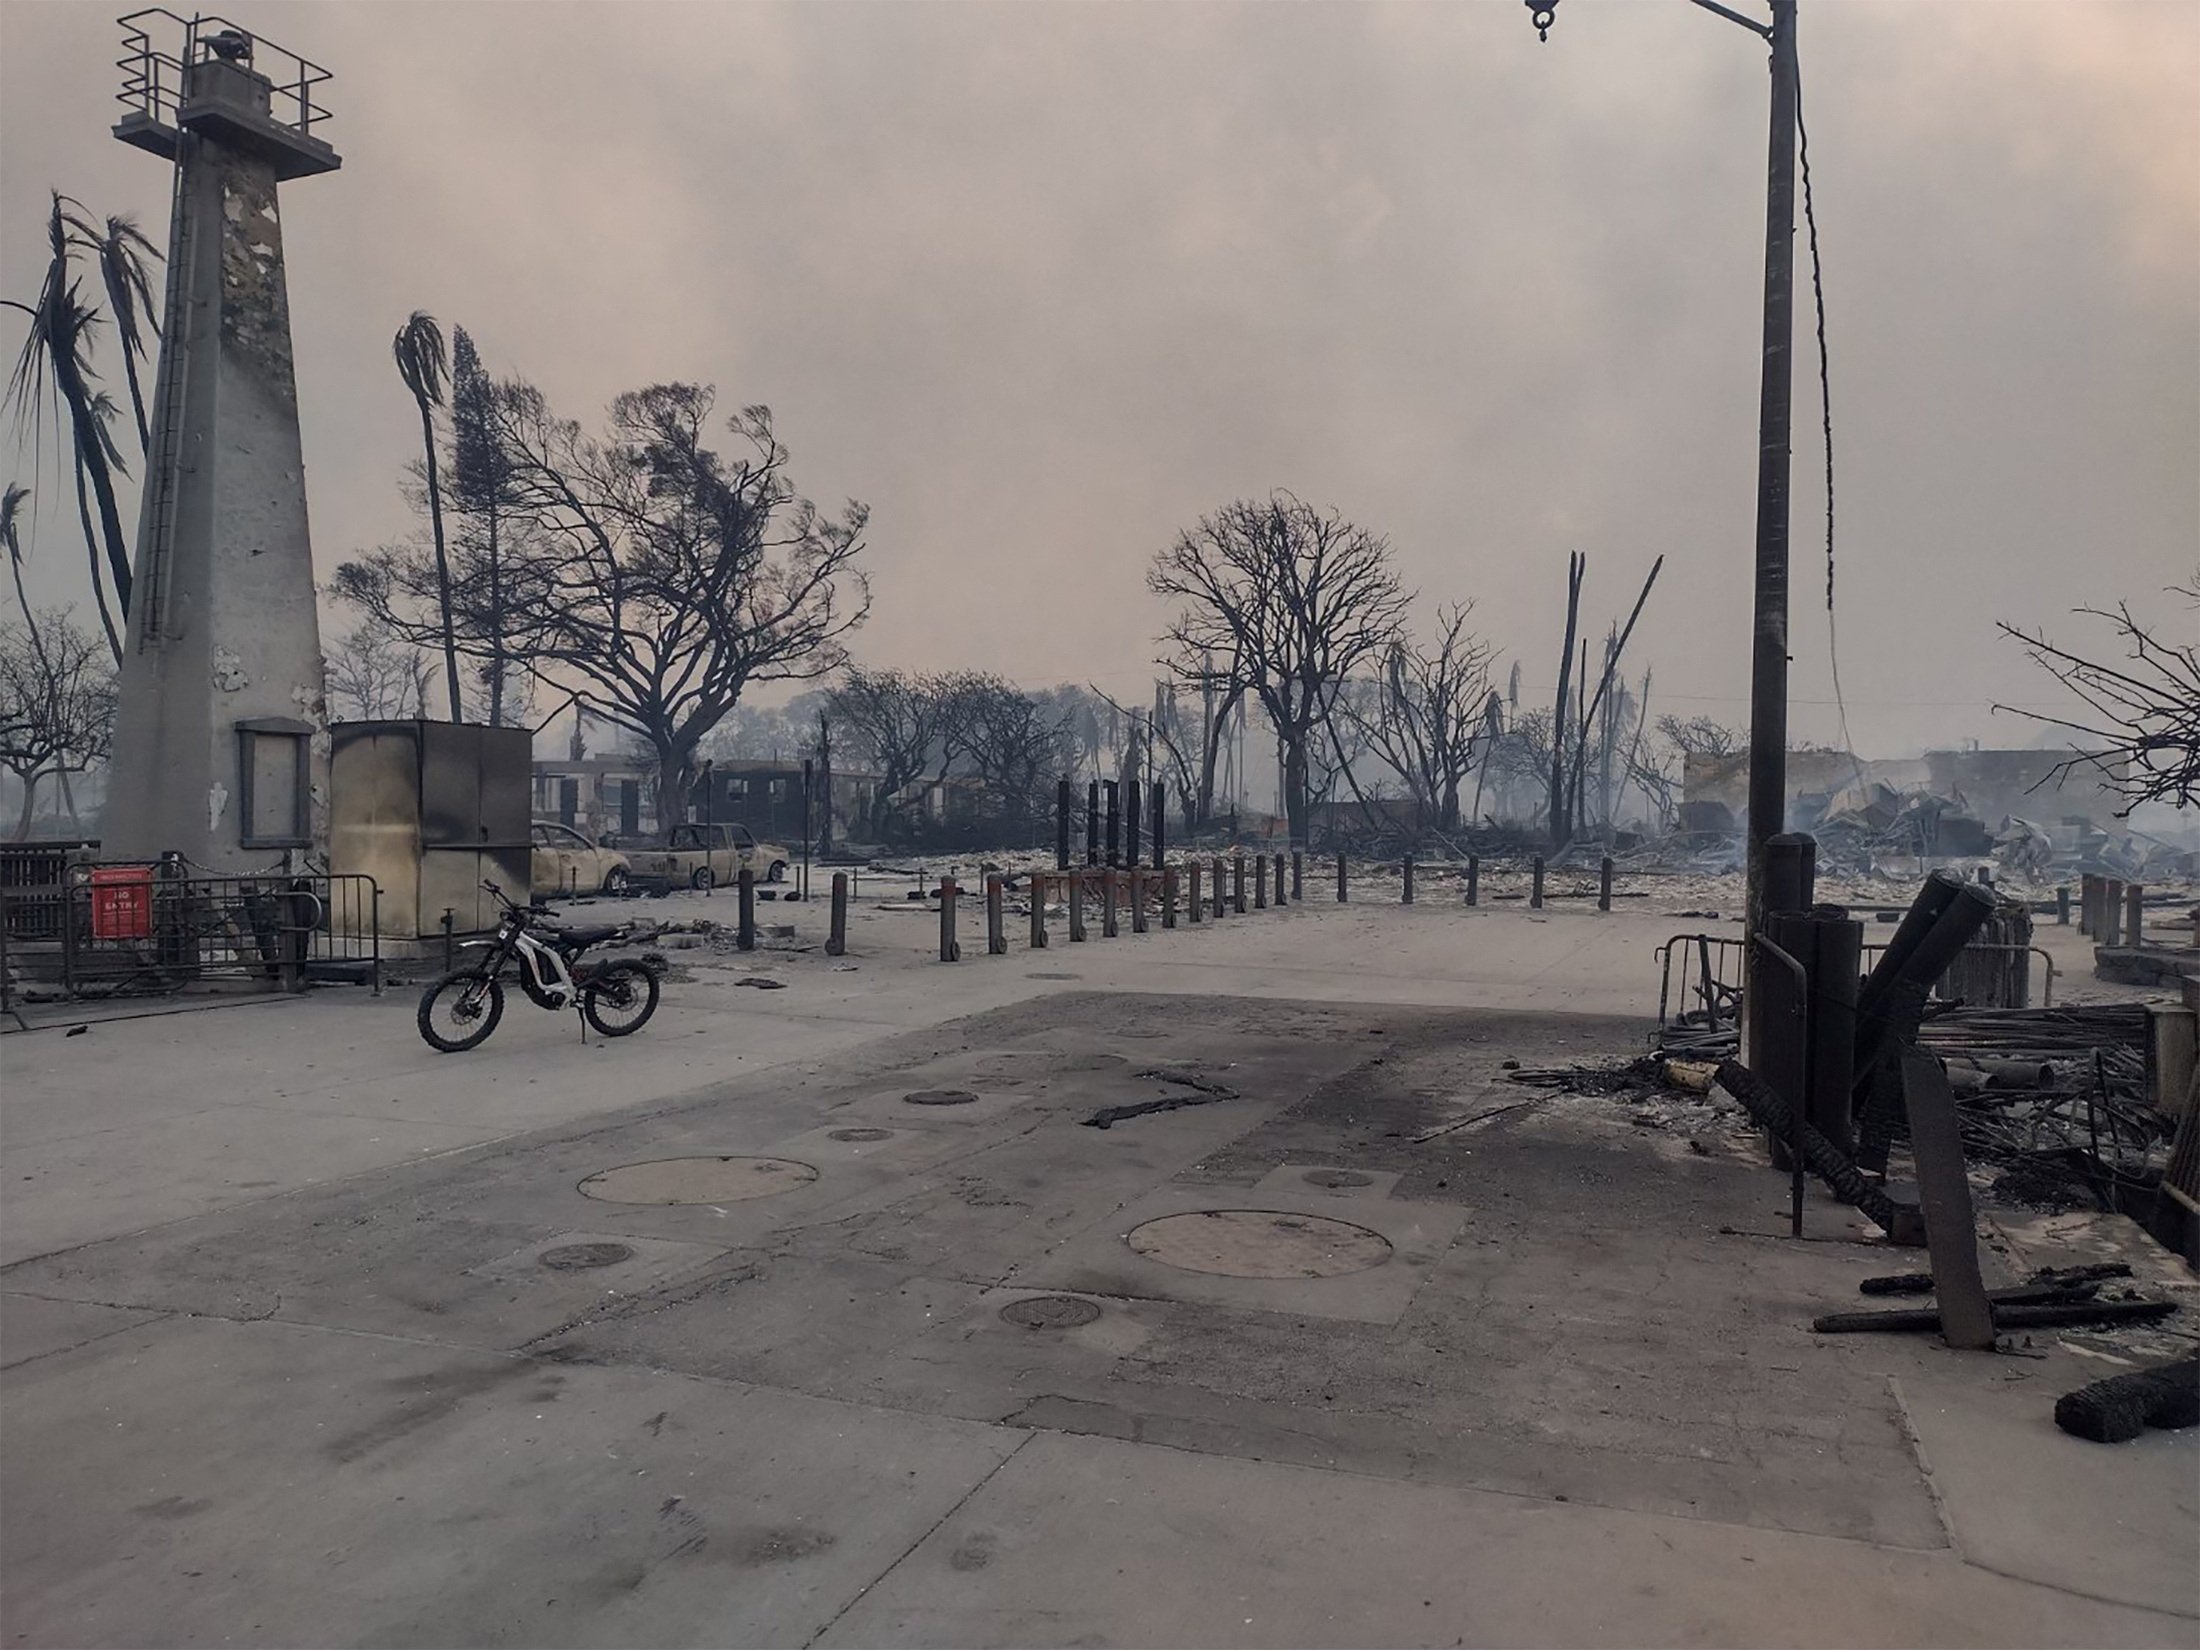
x=139, y=930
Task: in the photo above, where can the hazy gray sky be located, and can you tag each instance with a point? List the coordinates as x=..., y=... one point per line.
x=1043, y=282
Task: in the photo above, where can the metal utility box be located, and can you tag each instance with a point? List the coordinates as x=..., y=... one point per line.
x=430, y=809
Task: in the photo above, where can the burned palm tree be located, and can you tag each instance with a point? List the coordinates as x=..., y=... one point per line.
x=422, y=364
x=122, y=251
x=54, y=367
x=11, y=540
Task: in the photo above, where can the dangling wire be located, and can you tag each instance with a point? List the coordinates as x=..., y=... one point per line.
x=1825, y=408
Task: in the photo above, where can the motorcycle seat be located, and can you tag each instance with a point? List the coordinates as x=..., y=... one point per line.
x=576, y=937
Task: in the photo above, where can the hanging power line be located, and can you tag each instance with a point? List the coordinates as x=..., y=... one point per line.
x=1825, y=412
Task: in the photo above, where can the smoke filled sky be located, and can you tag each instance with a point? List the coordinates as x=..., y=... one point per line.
x=1042, y=283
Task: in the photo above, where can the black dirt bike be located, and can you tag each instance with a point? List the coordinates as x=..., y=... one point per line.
x=616, y=996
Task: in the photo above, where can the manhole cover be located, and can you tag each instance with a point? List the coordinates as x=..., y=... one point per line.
x=697, y=1180
x=1046, y=976
x=940, y=1097
x=1049, y=1312
x=1260, y=1243
x=581, y=1257
x=1337, y=1179
x=861, y=1134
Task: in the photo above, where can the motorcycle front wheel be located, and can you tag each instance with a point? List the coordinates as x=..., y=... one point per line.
x=460, y=1010
x=619, y=998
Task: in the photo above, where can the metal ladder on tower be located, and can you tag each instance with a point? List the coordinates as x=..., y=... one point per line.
x=160, y=475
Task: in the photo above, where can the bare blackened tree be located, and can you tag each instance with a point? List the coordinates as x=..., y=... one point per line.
x=57, y=704
x=2144, y=714
x=1429, y=721
x=662, y=577
x=422, y=364
x=1299, y=598
x=1013, y=745
x=1699, y=736
x=373, y=675
x=891, y=722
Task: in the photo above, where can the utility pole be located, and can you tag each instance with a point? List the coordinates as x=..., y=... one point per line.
x=1769, y=636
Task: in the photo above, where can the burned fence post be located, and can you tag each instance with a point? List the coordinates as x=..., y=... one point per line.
x=1077, y=907
x=1237, y=884
x=1535, y=886
x=1157, y=802
x=1108, y=890
x=836, y=942
x=1281, y=899
x=1406, y=890
x=1137, y=890
x=1115, y=823
x=1038, y=886
x=1222, y=892
x=1260, y=880
x=2134, y=907
x=1944, y=1193
x=745, y=935
x=2062, y=906
x=1134, y=820
x=1298, y=877
x=1343, y=892
x=1061, y=824
x=1604, y=883
x=2111, y=929
x=996, y=930
x=950, y=951
x=1092, y=822
x=1474, y=879
x=1168, y=897
x=1191, y=890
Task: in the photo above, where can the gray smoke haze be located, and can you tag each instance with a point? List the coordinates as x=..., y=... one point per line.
x=1042, y=283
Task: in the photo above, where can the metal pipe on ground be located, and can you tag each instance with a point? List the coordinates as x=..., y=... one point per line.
x=1964, y=908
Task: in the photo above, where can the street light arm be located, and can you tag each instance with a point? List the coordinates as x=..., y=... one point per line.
x=1749, y=23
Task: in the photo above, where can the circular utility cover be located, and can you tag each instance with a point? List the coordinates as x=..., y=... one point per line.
x=1260, y=1243
x=940, y=1097
x=860, y=1134
x=582, y=1257
x=1336, y=1180
x=1049, y=1312
x=697, y=1180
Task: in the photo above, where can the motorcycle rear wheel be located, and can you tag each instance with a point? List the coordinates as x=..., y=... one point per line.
x=468, y=1003
x=619, y=998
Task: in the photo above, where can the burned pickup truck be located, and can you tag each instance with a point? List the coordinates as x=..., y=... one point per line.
x=702, y=856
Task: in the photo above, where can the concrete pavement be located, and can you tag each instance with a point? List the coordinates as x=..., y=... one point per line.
x=1568, y=1396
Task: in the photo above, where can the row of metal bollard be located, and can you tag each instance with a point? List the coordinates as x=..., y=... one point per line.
x=2110, y=911
x=1210, y=890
